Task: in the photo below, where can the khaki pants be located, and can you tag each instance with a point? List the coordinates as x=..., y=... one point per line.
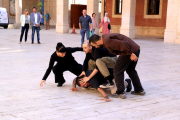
x=103, y=64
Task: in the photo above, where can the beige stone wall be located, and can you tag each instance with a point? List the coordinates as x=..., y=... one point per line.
x=29, y=4
x=115, y=28
x=50, y=6
x=150, y=31
x=142, y=30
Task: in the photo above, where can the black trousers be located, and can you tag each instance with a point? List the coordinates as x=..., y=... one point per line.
x=26, y=29
x=124, y=63
x=58, y=71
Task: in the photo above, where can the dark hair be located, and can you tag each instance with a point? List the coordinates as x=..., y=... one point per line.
x=93, y=14
x=78, y=79
x=34, y=8
x=60, y=47
x=94, y=38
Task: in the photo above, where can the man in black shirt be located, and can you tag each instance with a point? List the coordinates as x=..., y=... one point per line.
x=101, y=59
x=65, y=61
x=96, y=81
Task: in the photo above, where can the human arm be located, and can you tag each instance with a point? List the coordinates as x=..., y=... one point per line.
x=86, y=79
x=75, y=49
x=118, y=42
x=80, y=22
x=102, y=22
x=48, y=71
x=86, y=61
x=21, y=19
x=91, y=25
x=104, y=95
x=39, y=20
x=74, y=85
x=32, y=19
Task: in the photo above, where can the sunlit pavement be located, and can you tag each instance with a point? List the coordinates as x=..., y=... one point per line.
x=22, y=67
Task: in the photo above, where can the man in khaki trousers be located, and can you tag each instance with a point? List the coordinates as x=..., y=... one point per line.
x=101, y=59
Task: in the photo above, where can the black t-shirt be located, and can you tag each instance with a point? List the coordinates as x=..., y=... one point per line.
x=96, y=54
x=97, y=80
x=66, y=61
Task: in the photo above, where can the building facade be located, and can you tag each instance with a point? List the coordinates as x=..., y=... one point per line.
x=145, y=17
x=128, y=17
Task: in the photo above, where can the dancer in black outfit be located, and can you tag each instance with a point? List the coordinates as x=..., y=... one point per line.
x=65, y=62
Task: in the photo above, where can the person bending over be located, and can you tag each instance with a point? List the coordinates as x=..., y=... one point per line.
x=95, y=82
x=65, y=62
x=129, y=51
x=100, y=58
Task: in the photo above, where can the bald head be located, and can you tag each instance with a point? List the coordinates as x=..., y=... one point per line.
x=87, y=48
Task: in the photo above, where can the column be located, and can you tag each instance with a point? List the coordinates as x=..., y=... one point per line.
x=18, y=9
x=102, y=11
x=172, y=30
x=62, y=25
x=1, y=3
x=128, y=18
x=93, y=7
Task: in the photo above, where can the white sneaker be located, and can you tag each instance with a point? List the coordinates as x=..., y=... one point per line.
x=19, y=42
x=105, y=85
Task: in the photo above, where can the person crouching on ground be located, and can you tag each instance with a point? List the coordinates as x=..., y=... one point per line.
x=95, y=82
x=65, y=62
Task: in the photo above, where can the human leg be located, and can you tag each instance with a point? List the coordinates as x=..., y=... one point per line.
x=26, y=32
x=91, y=64
x=82, y=32
x=87, y=34
x=58, y=72
x=38, y=35
x=33, y=32
x=22, y=33
x=76, y=69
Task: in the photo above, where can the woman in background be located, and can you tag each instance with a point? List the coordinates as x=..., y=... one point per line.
x=94, y=23
x=104, y=22
x=25, y=23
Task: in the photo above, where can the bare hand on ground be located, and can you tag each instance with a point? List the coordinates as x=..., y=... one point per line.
x=74, y=89
x=41, y=83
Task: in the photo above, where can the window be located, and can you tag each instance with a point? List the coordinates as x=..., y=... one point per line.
x=153, y=7
x=118, y=6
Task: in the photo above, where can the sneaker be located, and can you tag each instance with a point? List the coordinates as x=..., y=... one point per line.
x=111, y=84
x=115, y=95
x=26, y=42
x=32, y=43
x=138, y=93
x=19, y=42
x=129, y=87
x=39, y=43
x=105, y=85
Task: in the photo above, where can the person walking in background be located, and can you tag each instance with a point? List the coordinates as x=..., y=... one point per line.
x=105, y=22
x=84, y=21
x=47, y=15
x=35, y=23
x=94, y=23
x=25, y=23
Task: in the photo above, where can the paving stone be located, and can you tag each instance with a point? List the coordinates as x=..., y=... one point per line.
x=23, y=66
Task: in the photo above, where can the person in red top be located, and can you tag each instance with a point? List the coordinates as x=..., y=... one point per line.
x=129, y=51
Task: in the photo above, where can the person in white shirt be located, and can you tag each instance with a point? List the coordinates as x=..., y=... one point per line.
x=25, y=23
x=35, y=23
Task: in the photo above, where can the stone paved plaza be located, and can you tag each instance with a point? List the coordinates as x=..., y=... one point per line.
x=22, y=67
